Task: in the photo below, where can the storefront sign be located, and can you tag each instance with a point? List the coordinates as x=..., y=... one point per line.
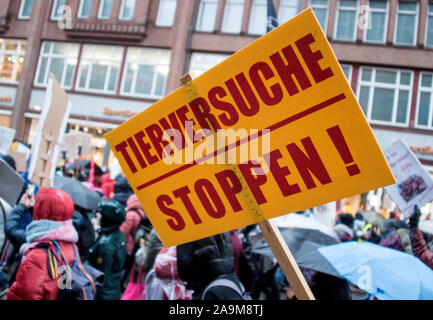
x=7, y=96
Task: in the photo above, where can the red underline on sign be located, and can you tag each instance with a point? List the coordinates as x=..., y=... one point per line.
x=275, y=126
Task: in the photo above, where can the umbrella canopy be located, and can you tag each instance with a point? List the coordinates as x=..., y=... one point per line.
x=304, y=245
x=426, y=226
x=385, y=273
x=295, y=220
x=81, y=195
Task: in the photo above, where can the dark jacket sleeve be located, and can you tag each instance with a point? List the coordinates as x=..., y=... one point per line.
x=421, y=249
x=12, y=226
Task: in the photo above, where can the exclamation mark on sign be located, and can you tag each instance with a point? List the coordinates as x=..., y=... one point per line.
x=342, y=148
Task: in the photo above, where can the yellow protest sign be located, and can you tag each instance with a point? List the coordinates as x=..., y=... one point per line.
x=273, y=129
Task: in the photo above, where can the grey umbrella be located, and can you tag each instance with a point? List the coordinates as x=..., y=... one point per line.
x=81, y=195
x=304, y=245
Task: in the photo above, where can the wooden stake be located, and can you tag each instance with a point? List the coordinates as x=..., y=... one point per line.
x=275, y=240
x=286, y=260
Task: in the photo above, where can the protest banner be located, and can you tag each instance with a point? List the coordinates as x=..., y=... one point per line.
x=20, y=160
x=7, y=135
x=72, y=141
x=49, y=134
x=298, y=135
x=414, y=184
x=10, y=191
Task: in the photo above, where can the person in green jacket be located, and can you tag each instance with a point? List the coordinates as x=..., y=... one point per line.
x=109, y=252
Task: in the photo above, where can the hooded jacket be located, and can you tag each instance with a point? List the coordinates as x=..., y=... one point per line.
x=109, y=252
x=202, y=261
x=52, y=222
x=421, y=249
x=134, y=214
x=122, y=190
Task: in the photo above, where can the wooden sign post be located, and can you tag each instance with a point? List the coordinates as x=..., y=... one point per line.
x=270, y=232
x=51, y=127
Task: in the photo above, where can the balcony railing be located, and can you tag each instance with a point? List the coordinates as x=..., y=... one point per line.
x=127, y=30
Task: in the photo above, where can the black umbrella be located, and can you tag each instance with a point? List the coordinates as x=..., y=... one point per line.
x=82, y=196
x=304, y=245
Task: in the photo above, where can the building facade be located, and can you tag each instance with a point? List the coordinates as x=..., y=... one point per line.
x=117, y=57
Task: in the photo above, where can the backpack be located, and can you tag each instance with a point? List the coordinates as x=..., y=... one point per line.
x=77, y=281
x=143, y=231
x=221, y=282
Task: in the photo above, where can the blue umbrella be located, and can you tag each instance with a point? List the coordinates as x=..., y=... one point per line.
x=386, y=273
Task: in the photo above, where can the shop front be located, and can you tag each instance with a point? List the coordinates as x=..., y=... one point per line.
x=92, y=114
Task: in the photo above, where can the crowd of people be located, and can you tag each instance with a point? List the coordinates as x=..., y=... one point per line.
x=125, y=259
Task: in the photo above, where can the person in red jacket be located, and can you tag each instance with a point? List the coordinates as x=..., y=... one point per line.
x=52, y=213
x=134, y=215
x=419, y=246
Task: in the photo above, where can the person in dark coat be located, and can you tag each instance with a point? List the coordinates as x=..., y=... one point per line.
x=109, y=252
x=122, y=190
x=419, y=245
x=202, y=261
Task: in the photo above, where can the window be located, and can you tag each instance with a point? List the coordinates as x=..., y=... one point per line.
x=424, y=116
x=25, y=9
x=84, y=9
x=287, y=10
x=232, y=19
x=146, y=72
x=57, y=10
x=11, y=59
x=406, y=23
x=60, y=59
x=429, y=31
x=378, y=16
x=201, y=62
x=347, y=69
x=127, y=10
x=385, y=94
x=320, y=8
x=99, y=68
x=166, y=13
x=346, y=20
x=258, y=17
x=105, y=8
x=207, y=15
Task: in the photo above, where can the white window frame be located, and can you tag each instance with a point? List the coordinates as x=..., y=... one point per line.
x=429, y=14
x=200, y=69
x=200, y=13
x=53, y=16
x=385, y=31
x=349, y=79
x=51, y=55
x=152, y=95
x=250, y=23
x=298, y=6
x=415, y=31
x=337, y=14
x=20, y=13
x=17, y=54
x=225, y=17
x=122, y=8
x=320, y=6
x=397, y=86
x=103, y=91
x=430, y=114
x=158, y=23
x=80, y=9
x=101, y=5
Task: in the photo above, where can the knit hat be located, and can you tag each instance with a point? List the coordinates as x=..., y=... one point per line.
x=53, y=204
